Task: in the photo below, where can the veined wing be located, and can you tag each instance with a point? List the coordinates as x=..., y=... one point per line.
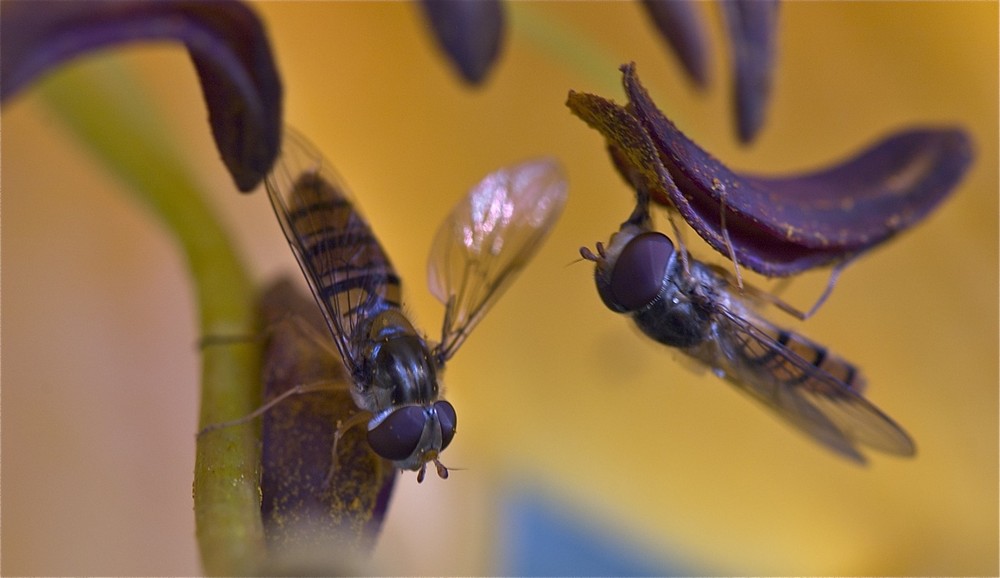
x=346, y=268
x=814, y=390
x=488, y=237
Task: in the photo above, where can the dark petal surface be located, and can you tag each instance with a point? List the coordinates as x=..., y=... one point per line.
x=225, y=39
x=781, y=225
x=751, y=26
x=469, y=32
x=681, y=25
x=299, y=512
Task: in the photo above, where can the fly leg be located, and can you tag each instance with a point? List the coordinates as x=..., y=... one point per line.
x=343, y=426
x=296, y=390
x=682, y=248
x=771, y=298
x=292, y=341
x=803, y=315
x=721, y=188
x=234, y=339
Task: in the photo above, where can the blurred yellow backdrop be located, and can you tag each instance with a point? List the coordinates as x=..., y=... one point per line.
x=554, y=392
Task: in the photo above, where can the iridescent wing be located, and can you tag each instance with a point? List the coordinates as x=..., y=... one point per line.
x=812, y=389
x=486, y=240
x=346, y=268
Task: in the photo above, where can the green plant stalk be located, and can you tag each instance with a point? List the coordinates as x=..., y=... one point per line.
x=564, y=44
x=104, y=107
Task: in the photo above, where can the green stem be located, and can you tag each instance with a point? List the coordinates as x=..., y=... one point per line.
x=106, y=110
x=560, y=41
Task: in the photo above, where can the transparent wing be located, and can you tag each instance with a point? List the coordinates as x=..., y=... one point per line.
x=346, y=268
x=817, y=392
x=488, y=237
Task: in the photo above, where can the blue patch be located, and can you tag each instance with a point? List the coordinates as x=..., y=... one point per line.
x=540, y=537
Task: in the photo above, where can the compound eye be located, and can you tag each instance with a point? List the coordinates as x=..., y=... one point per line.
x=396, y=438
x=448, y=418
x=638, y=273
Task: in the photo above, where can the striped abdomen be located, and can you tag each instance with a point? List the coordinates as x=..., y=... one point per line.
x=799, y=369
x=350, y=271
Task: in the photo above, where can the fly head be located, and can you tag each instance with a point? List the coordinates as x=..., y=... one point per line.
x=413, y=435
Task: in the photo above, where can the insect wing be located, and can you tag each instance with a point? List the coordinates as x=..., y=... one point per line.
x=346, y=268
x=488, y=237
x=802, y=392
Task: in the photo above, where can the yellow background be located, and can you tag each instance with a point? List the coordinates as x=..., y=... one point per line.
x=553, y=392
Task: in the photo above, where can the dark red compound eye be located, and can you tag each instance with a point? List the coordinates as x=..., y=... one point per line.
x=638, y=273
x=397, y=436
x=448, y=418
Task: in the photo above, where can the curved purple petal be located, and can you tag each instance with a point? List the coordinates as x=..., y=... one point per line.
x=637, y=160
x=751, y=27
x=225, y=39
x=781, y=225
x=297, y=438
x=470, y=33
x=680, y=23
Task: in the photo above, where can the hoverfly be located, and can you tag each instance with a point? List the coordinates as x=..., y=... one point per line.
x=478, y=250
x=687, y=304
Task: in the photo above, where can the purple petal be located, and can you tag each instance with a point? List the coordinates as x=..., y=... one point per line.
x=751, y=27
x=225, y=39
x=781, y=225
x=470, y=32
x=680, y=23
x=299, y=511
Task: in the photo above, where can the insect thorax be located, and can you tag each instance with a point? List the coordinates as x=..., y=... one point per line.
x=398, y=367
x=678, y=316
